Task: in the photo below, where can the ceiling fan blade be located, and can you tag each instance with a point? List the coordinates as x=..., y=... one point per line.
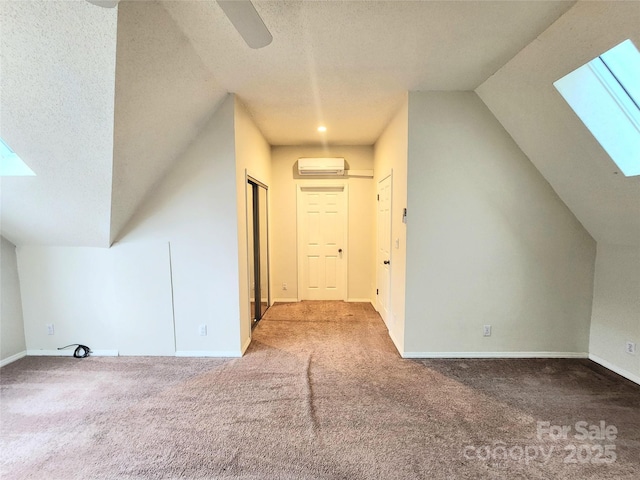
x=245, y=18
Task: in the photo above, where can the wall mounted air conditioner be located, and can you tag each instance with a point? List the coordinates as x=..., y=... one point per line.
x=320, y=166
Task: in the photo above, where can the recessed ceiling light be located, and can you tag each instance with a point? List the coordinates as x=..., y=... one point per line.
x=322, y=128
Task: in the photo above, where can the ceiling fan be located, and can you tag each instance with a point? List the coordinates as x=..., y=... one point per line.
x=242, y=14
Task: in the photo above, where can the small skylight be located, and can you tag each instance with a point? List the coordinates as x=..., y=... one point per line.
x=11, y=165
x=605, y=94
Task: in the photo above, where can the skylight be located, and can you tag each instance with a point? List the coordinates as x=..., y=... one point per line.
x=11, y=165
x=605, y=94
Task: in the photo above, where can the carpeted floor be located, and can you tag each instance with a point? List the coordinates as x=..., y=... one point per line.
x=319, y=311
x=318, y=397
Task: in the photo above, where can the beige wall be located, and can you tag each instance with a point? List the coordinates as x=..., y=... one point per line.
x=163, y=99
x=361, y=283
x=193, y=208
x=489, y=241
x=390, y=154
x=253, y=158
x=12, y=341
x=72, y=289
x=616, y=309
x=185, y=253
x=191, y=211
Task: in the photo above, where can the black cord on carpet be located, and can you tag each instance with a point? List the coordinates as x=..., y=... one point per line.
x=81, y=352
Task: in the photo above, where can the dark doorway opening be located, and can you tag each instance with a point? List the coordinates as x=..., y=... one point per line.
x=257, y=225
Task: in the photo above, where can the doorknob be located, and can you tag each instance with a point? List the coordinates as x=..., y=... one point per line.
x=387, y=262
x=339, y=250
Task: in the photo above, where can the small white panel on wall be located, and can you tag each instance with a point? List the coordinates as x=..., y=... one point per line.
x=144, y=305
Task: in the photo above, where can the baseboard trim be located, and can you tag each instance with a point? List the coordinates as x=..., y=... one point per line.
x=610, y=366
x=348, y=300
x=358, y=300
x=395, y=342
x=246, y=345
x=208, y=354
x=494, y=354
x=69, y=353
x=13, y=358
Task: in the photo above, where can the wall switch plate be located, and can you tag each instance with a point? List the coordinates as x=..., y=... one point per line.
x=203, y=330
x=50, y=330
x=486, y=330
x=630, y=348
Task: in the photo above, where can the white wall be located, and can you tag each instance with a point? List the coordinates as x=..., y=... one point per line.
x=390, y=154
x=71, y=288
x=488, y=241
x=253, y=158
x=116, y=301
x=193, y=208
x=522, y=97
x=143, y=303
x=182, y=241
x=12, y=341
x=616, y=309
x=361, y=271
x=163, y=98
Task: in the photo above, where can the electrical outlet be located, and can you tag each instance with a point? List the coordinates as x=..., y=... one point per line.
x=203, y=330
x=50, y=330
x=630, y=348
x=284, y=286
x=486, y=330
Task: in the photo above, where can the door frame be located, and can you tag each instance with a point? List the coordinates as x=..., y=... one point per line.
x=249, y=180
x=388, y=320
x=300, y=187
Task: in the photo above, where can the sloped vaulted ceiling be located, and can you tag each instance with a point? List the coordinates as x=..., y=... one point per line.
x=99, y=102
x=101, y=125
x=522, y=96
x=164, y=94
x=56, y=111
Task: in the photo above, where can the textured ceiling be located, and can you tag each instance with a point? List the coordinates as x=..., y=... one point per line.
x=345, y=64
x=163, y=96
x=56, y=111
x=521, y=95
x=348, y=64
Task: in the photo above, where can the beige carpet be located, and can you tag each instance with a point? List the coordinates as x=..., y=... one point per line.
x=319, y=311
x=311, y=399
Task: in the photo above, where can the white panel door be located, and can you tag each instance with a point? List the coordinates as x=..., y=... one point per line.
x=322, y=242
x=383, y=257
